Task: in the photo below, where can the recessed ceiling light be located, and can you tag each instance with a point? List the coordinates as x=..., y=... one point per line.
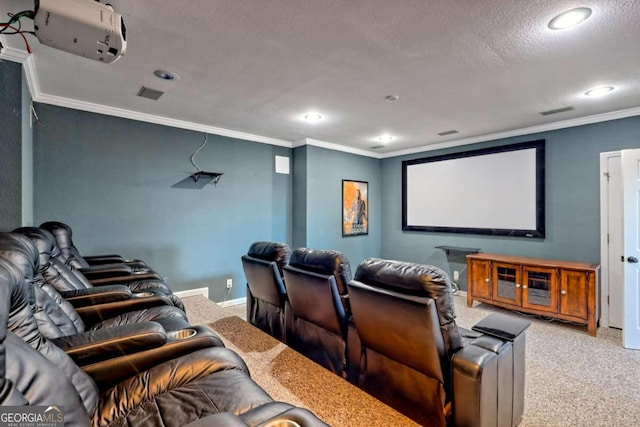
x=391, y=98
x=313, y=117
x=570, y=18
x=164, y=75
x=385, y=138
x=599, y=91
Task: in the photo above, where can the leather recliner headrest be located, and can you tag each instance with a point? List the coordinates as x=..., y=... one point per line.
x=327, y=262
x=404, y=277
x=61, y=232
x=21, y=252
x=44, y=241
x=271, y=251
x=416, y=280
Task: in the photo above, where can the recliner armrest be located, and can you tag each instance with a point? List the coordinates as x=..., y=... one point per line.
x=107, y=373
x=96, y=260
x=95, y=313
x=106, y=270
x=474, y=386
x=124, y=278
x=501, y=326
x=93, y=296
x=102, y=344
x=104, y=259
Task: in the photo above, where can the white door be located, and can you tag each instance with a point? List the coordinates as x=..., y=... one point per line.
x=615, y=249
x=631, y=232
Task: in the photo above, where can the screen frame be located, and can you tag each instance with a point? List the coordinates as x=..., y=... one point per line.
x=538, y=232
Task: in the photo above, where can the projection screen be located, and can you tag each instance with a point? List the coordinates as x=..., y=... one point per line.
x=496, y=191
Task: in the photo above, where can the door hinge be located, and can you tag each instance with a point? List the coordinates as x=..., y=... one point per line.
x=608, y=175
x=607, y=238
x=608, y=300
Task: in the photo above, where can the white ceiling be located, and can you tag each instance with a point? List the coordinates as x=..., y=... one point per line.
x=482, y=67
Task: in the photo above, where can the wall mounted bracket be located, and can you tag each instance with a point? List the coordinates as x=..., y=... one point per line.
x=202, y=178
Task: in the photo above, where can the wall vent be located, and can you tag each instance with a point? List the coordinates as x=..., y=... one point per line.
x=145, y=92
x=556, y=111
x=447, y=132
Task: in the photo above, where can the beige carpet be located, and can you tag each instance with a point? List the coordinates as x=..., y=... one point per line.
x=572, y=379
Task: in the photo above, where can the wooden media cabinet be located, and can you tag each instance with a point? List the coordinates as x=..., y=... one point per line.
x=559, y=289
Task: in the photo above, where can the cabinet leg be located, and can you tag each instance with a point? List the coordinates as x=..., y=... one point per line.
x=593, y=328
x=469, y=298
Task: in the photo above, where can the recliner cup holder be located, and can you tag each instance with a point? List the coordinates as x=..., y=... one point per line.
x=182, y=334
x=282, y=423
x=142, y=294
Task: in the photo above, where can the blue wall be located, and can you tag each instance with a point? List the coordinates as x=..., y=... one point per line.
x=10, y=145
x=572, y=199
x=111, y=179
x=325, y=170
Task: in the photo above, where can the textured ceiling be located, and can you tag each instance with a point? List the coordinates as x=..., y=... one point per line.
x=255, y=66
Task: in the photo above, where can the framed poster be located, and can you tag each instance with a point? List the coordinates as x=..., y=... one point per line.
x=355, y=207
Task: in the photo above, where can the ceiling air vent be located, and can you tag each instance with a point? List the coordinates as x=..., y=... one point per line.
x=376, y=147
x=556, y=111
x=145, y=92
x=447, y=132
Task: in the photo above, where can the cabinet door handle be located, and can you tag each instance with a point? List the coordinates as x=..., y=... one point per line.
x=524, y=286
x=563, y=292
x=486, y=280
x=517, y=285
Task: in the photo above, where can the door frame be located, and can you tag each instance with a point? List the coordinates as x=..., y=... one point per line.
x=604, y=246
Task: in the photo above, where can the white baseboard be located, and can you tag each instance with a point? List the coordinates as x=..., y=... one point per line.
x=233, y=302
x=193, y=292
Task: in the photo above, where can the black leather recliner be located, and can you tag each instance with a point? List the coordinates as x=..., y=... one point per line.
x=113, y=349
x=266, y=292
x=175, y=392
x=58, y=317
x=64, y=278
x=103, y=269
x=71, y=256
x=415, y=359
x=317, y=288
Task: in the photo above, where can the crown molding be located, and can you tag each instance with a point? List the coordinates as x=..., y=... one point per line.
x=11, y=53
x=336, y=147
x=581, y=121
x=31, y=76
x=152, y=118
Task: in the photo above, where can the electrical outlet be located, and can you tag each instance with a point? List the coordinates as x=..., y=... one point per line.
x=229, y=283
x=456, y=275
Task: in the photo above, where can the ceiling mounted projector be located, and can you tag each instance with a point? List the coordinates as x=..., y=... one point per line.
x=82, y=27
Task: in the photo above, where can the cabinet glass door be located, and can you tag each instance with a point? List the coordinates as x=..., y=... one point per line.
x=507, y=283
x=540, y=289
